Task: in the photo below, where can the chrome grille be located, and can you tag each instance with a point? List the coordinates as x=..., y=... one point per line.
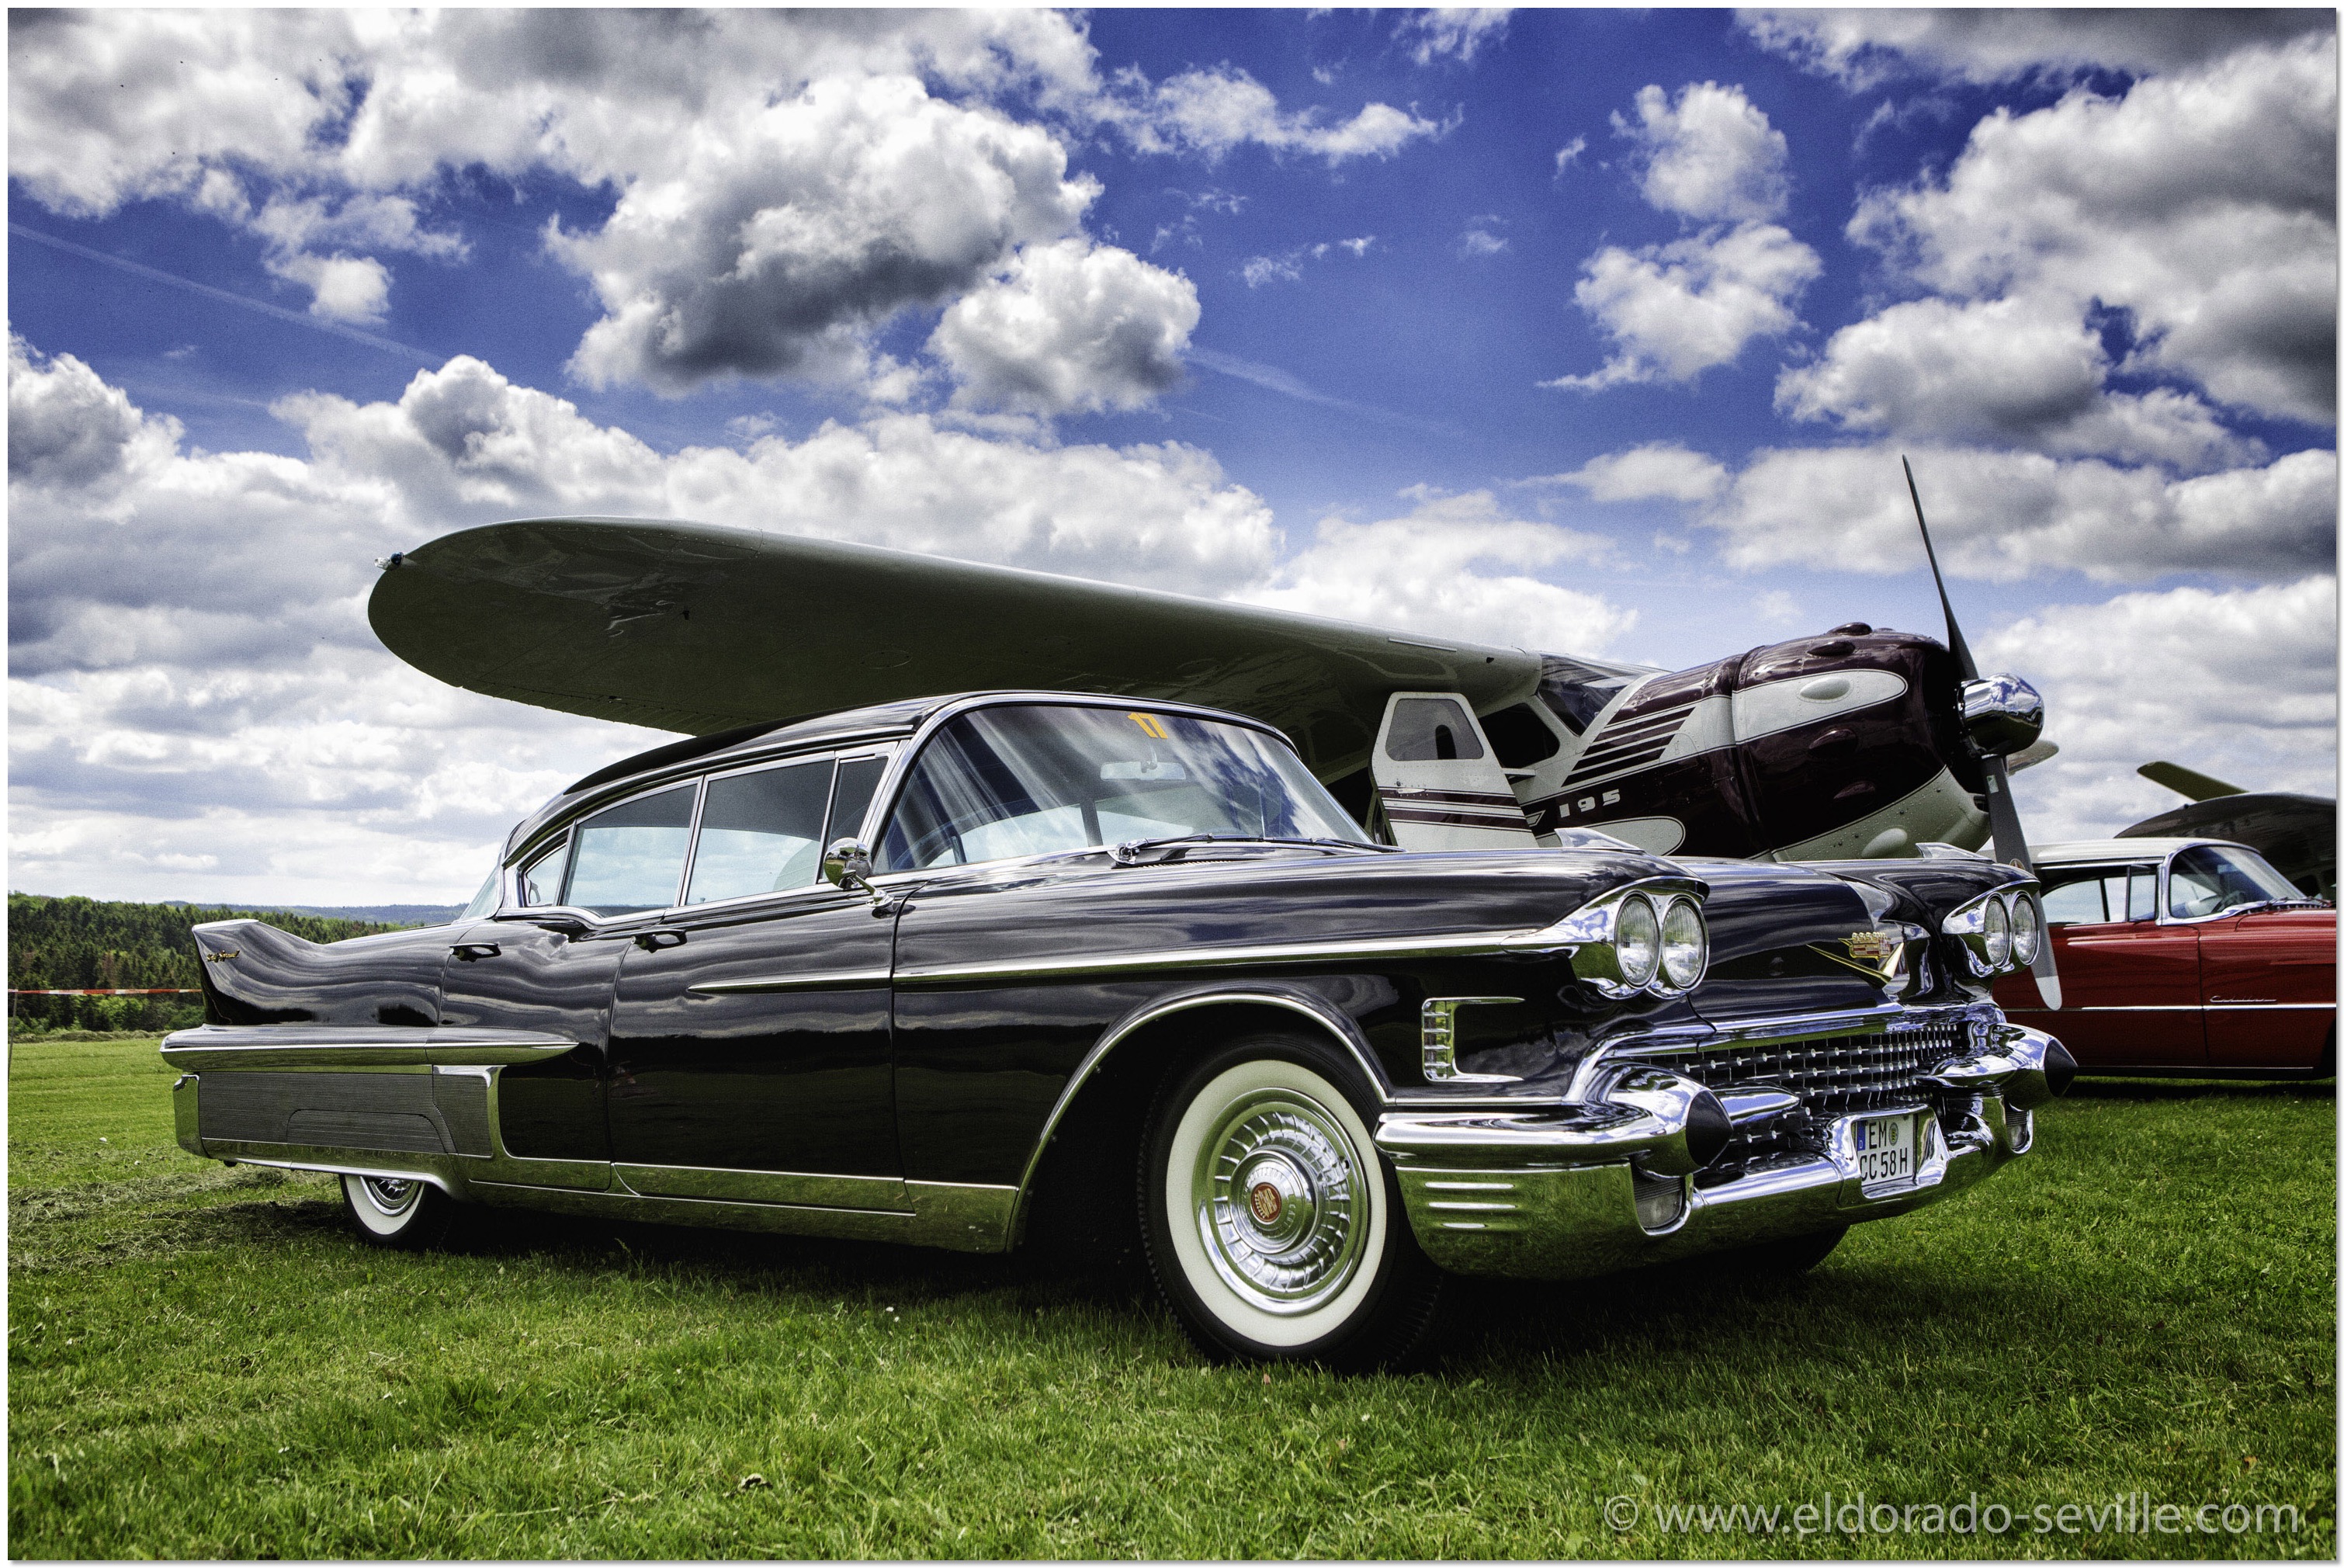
x=1837, y=1074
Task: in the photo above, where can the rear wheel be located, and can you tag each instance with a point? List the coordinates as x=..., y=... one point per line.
x=1272, y=1227
x=398, y=1211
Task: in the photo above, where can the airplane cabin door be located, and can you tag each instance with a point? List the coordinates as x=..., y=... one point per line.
x=1438, y=781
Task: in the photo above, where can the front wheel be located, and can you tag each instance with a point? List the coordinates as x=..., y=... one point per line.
x=1272, y=1227
x=398, y=1211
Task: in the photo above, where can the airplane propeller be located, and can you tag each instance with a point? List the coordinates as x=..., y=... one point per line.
x=2002, y=714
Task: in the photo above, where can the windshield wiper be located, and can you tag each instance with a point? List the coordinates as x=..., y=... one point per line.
x=1128, y=852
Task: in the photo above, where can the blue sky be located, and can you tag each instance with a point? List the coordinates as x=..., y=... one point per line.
x=1587, y=330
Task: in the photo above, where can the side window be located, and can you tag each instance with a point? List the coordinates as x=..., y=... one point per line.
x=541, y=879
x=1431, y=730
x=760, y=832
x=2077, y=897
x=857, y=780
x=2142, y=904
x=631, y=857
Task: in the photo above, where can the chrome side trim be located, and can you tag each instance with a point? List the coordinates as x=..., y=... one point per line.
x=815, y=980
x=1469, y=943
x=792, y=1188
x=328, y=1047
x=2204, y=1007
x=1345, y=1032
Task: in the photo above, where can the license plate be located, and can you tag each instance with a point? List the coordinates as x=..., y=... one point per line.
x=1887, y=1149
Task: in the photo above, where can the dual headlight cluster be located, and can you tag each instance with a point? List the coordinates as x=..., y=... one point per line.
x=1648, y=938
x=2001, y=930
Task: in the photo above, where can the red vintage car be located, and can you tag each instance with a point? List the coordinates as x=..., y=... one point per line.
x=2183, y=957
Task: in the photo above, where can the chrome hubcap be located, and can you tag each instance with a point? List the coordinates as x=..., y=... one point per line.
x=389, y=1195
x=1280, y=1204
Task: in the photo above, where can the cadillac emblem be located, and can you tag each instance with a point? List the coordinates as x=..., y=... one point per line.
x=1869, y=953
x=1265, y=1202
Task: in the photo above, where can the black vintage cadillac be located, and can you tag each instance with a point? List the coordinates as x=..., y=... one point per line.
x=962, y=971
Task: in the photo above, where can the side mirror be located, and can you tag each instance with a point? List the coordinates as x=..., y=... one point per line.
x=847, y=864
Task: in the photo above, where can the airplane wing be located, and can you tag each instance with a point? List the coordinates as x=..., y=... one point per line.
x=682, y=626
x=2186, y=782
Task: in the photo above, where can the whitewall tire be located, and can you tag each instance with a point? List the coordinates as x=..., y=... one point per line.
x=1273, y=1227
x=392, y=1212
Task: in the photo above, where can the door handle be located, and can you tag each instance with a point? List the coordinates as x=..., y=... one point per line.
x=467, y=951
x=653, y=941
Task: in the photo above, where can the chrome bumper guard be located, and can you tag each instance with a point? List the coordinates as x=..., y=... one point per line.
x=1570, y=1191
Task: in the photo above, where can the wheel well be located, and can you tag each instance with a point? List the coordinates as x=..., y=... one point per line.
x=1082, y=1200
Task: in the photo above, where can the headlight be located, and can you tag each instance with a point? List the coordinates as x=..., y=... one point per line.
x=2025, y=930
x=1994, y=925
x=1637, y=939
x=1649, y=936
x=1997, y=927
x=1685, y=945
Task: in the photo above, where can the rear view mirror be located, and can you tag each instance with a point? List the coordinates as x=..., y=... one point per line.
x=1152, y=770
x=847, y=864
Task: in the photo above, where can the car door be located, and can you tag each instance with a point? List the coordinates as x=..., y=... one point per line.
x=549, y=962
x=750, y=1051
x=1438, y=781
x=2130, y=984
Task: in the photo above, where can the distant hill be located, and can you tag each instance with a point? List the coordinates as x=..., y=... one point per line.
x=372, y=914
x=71, y=943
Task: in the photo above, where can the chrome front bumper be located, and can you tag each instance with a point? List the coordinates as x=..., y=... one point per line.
x=1532, y=1195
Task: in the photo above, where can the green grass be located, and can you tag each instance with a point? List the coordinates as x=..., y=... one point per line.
x=203, y=1362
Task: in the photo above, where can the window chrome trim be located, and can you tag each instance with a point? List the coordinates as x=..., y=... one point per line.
x=907, y=753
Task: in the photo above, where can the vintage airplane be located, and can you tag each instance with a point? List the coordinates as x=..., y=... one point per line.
x=1860, y=742
x=2296, y=832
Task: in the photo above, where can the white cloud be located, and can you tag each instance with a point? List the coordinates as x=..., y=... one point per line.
x=1286, y=267
x=1710, y=156
x=1677, y=309
x=227, y=698
x=2003, y=515
x=786, y=183
x=1477, y=239
x=1568, y=154
x=1069, y=326
x=1427, y=571
x=1862, y=48
x=1213, y=112
x=762, y=251
x=2238, y=683
x=2010, y=371
x=1674, y=310
x=1453, y=34
x=2202, y=203
x=1657, y=471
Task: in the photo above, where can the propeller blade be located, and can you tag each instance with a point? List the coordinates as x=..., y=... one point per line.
x=1962, y=659
x=2010, y=848
x=2001, y=810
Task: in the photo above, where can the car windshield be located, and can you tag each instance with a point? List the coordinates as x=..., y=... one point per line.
x=2210, y=879
x=997, y=784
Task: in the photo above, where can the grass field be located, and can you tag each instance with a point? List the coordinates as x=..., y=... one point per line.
x=203, y=1362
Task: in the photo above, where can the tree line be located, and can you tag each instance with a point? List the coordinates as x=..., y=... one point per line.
x=60, y=943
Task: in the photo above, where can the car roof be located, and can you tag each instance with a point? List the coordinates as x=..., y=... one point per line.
x=881, y=723
x=2082, y=851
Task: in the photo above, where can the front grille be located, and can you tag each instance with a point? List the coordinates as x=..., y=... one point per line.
x=1833, y=1076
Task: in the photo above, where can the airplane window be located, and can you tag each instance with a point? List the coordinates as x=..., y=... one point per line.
x=1575, y=692
x=2207, y=880
x=1519, y=738
x=1431, y=729
x=760, y=832
x=631, y=857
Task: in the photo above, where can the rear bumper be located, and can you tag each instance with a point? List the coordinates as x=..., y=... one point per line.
x=1520, y=1213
